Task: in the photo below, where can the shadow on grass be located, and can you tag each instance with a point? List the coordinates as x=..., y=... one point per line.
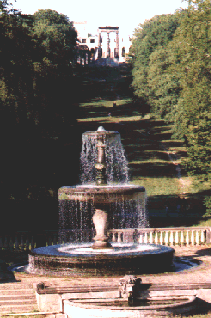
x=176, y=211
x=158, y=169
x=144, y=152
x=105, y=82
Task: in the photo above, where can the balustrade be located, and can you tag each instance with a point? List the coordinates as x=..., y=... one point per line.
x=25, y=241
x=168, y=236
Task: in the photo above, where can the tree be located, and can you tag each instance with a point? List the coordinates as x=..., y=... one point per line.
x=163, y=85
x=149, y=37
x=15, y=66
x=192, y=50
x=172, y=72
x=36, y=83
x=56, y=35
x=6, y=7
x=55, y=41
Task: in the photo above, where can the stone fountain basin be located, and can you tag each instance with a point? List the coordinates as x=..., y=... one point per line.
x=80, y=259
x=100, y=194
x=106, y=305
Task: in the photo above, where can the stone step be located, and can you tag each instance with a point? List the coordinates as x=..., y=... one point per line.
x=34, y=314
x=12, y=286
x=17, y=308
x=16, y=292
x=17, y=298
x=14, y=298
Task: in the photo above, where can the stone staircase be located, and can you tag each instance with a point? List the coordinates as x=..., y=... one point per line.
x=17, y=298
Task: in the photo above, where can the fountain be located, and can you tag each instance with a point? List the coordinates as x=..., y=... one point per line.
x=104, y=200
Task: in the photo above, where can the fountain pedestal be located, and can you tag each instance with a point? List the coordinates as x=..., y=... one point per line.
x=100, y=222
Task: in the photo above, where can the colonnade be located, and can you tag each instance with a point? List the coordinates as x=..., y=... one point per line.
x=108, y=30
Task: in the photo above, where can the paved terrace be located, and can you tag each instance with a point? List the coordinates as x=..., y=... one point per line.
x=198, y=275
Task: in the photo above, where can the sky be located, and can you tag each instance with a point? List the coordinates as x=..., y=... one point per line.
x=125, y=14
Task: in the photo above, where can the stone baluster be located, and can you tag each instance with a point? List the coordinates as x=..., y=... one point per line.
x=6, y=245
x=161, y=237
x=60, y=239
x=182, y=238
x=150, y=237
x=113, y=237
x=50, y=241
x=167, y=238
x=87, y=235
x=32, y=243
x=119, y=238
x=171, y=238
x=145, y=238
x=11, y=244
x=27, y=243
x=192, y=237
x=176, y=238
x=141, y=238
x=16, y=244
x=1, y=243
x=22, y=243
x=197, y=237
x=65, y=238
x=202, y=236
x=156, y=237
x=208, y=235
x=187, y=237
x=54, y=239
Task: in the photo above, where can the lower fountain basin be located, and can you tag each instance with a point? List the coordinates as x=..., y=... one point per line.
x=117, y=307
x=79, y=259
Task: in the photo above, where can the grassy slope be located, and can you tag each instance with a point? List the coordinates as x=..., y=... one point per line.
x=152, y=155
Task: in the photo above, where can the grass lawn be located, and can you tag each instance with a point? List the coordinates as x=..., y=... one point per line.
x=154, y=158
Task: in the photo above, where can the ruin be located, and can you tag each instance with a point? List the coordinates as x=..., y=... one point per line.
x=108, y=30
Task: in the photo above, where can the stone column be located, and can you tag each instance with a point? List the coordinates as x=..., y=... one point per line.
x=117, y=44
x=108, y=45
x=99, y=38
x=99, y=44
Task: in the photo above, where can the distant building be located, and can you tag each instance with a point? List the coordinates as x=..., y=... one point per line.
x=107, y=43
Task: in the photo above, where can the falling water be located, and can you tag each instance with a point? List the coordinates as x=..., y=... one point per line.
x=75, y=216
x=117, y=165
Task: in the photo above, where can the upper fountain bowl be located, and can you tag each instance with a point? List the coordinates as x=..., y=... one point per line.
x=101, y=131
x=100, y=194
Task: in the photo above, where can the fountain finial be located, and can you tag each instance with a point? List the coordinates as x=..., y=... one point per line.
x=101, y=128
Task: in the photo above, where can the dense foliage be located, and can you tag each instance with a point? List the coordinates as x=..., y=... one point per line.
x=37, y=106
x=55, y=40
x=151, y=39
x=36, y=55
x=37, y=115
x=172, y=72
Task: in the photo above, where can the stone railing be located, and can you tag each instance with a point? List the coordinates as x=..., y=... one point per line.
x=26, y=240
x=165, y=236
